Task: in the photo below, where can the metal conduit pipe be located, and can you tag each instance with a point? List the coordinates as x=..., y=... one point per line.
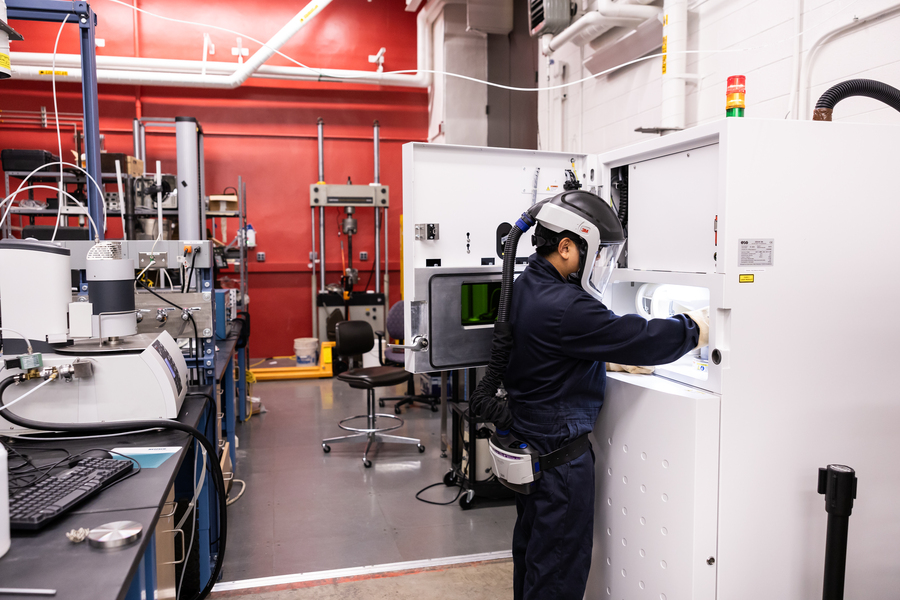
x=125, y=70
x=606, y=14
x=136, y=134
x=235, y=79
x=320, y=125
x=674, y=90
x=594, y=22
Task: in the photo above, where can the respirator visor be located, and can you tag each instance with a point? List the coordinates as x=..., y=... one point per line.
x=604, y=264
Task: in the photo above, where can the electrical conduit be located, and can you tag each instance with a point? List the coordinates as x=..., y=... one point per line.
x=126, y=70
x=606, y=15
x=674, y=66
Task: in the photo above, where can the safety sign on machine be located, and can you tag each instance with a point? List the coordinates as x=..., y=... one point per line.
x=756, y=253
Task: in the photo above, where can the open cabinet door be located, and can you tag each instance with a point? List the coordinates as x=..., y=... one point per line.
x=459, y=203
x=656, y=446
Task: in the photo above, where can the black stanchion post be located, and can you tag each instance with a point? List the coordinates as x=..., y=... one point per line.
x=838, y=483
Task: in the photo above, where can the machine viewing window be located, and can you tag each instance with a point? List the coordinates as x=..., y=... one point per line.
x=660, y=301
x=479, y=303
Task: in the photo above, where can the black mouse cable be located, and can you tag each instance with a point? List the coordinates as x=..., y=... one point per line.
x=128, y=426
x=42, y=472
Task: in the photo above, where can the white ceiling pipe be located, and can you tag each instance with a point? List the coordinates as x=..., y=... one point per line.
x=628, y=10
x=592, y=22
x=145, y=78
x=606, y=15
x=187, y=73
x=675, y=61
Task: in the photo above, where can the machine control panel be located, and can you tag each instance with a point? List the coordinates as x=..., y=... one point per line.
x=170, y=363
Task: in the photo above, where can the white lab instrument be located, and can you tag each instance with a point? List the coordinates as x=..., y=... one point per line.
x=145, y=380
x=110, y=280
x=707, y=470
x=35, y=290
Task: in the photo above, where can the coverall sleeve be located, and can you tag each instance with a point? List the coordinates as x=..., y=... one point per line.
x=590, y=331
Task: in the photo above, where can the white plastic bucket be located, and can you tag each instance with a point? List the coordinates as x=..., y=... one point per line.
x=306, y=351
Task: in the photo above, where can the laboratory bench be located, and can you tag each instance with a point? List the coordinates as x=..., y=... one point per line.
x=46, y=559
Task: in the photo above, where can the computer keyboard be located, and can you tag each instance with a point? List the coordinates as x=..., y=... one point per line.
x=35, y=506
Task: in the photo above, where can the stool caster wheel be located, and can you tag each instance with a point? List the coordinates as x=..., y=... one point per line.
x=367, y=463
x=421, y=448
x=397, y=410
x=449, y=478
x=326, y=448
x=434, y=408
x=381, y=403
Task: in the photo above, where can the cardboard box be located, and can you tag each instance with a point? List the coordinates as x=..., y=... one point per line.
x=129, y=164
x=223, y=202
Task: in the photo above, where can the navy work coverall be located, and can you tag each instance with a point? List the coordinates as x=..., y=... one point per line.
x=555, y=382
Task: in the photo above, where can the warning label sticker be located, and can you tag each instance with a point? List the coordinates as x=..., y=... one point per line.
x=756, y=253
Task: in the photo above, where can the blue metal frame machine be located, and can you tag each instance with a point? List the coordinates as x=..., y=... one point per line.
x=80, y=13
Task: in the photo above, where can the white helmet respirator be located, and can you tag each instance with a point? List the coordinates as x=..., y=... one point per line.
x=597, y=232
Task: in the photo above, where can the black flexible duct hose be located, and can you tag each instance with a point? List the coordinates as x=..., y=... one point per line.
x=127, y=426
x=509, y=271
x=484, y=402
x=855, y=87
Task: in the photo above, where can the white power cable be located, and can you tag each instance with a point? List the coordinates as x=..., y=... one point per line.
x=62, y=163
x=28, y=393
x=167, y=276
x=27, y=341
x=122, y=199
x=60, y=185
x=231, y=501
x=191, y=512
x=88, y=437
x=47, y=187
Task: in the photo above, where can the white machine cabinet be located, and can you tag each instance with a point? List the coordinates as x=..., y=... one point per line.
x=706, y=471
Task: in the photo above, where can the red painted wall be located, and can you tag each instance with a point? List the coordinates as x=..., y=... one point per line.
x=264, y=131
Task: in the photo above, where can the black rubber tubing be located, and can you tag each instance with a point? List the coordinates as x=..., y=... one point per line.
x=128, y=426
x=860, y=87
x=509, y=271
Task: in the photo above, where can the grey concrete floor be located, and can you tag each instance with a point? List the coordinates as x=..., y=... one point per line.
x=307, y=511
x=489, y=581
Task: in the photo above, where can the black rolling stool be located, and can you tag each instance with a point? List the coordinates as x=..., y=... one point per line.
x=353, y=338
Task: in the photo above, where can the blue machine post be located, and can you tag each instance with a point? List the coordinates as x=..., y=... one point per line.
x=87, y=20
x=58, y=11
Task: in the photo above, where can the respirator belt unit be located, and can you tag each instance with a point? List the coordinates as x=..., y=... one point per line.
x=518, y=465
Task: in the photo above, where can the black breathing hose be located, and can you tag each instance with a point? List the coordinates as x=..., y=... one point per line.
x=129, y=426
x=509, y=271
x=855, y=87
x=485, y=403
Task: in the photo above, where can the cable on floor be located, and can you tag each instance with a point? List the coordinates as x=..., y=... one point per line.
x=231, y=500
x=458, y=494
